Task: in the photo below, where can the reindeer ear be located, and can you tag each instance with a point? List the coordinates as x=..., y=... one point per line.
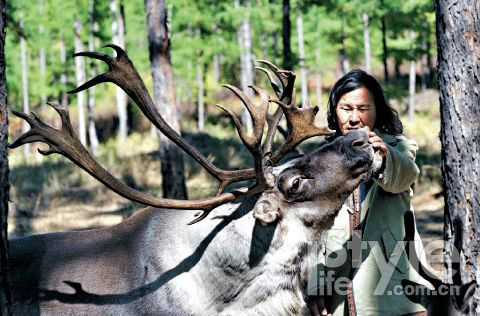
x=466, y=294
x=267, y=209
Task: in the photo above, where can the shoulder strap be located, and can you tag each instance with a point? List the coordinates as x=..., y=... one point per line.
x=355, y=218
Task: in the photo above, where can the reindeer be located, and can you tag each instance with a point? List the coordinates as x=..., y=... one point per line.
x=446, y=298
x=251, y=257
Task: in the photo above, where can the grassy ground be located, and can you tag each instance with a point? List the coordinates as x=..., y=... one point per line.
x=51, y=194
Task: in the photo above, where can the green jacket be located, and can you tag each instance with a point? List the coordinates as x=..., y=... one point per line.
x=383, y=263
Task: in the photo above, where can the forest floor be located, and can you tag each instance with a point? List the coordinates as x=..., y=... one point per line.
x=60, y=197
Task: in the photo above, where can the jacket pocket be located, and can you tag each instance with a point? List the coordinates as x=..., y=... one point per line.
x=394, y=251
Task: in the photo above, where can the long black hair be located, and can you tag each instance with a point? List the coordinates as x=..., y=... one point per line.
x=387, y=118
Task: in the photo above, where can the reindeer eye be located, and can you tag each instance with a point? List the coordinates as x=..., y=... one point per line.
x=295, y=184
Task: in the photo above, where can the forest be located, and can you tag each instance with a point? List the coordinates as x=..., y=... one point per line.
x=210, y=43
x=185, y=51
x=216, y=42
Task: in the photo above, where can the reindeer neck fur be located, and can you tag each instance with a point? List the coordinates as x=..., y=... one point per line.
x=267, y=270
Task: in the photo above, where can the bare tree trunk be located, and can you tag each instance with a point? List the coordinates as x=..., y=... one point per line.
x=92, y=131
x=216, y=61
x=366, y=43
x=63, y=76
x=42, y=62
x=459, y=81
x=216, y=69
x=118, y=38
x=345, y=64
x=200, y=92
x=411, y=90
x=173, y=180
x=288, y=61
x=424, y=71
x=429, y=58
x=318, y=86
x=384, y=44
x=80, y=78
x=397, y=69
x=301, y=52
x=200, y=106
x=26, y=103
x=5, y=295
x=244, y=37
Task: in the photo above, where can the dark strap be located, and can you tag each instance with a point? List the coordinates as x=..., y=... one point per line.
x=352, y=310
x=354, y=217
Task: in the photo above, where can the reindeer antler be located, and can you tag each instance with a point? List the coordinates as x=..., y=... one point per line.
x=300, y=121
x=122, y=72
x=253, y=142
x=64, y=141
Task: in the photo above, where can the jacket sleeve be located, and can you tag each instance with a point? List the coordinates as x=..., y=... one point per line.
x=400, y=168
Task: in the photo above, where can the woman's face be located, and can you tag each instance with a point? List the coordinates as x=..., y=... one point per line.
x=355, y=110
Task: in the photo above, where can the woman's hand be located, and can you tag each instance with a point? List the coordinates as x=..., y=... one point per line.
x=377, y=144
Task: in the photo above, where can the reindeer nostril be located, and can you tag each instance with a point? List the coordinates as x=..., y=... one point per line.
x=359, y=143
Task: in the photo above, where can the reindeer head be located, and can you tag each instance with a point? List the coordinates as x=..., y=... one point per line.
x=322, y=178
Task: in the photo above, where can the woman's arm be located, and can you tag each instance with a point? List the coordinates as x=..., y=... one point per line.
x=400, y=169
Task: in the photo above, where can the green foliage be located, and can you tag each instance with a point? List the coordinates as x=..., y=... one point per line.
x=203, y=29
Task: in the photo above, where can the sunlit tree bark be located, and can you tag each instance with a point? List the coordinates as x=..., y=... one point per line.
x=459, y=82
x=173, y=180
x=5, y=297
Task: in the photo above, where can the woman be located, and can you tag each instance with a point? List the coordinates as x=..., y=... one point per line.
x=362, y=244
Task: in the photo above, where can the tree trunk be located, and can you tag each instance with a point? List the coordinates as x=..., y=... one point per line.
x=200, y=106
x=118, y=38
x=397, y=69
x=5, y=295
x=301, y=52
x=288, y=61
x=92, y=131
x=42, y=62
x=411, y=90
x=63, y=76
x=26, y=103
x=429, y=58
x=424, y=71
x=366, y=43
x=80, y=78
x=171, y=157
x=384, y=44
x=318, y=86
x=42, y=65
x=244, y=37
x=459, y=82
x=216, y=61
x=216, y=69
x=200, y=92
